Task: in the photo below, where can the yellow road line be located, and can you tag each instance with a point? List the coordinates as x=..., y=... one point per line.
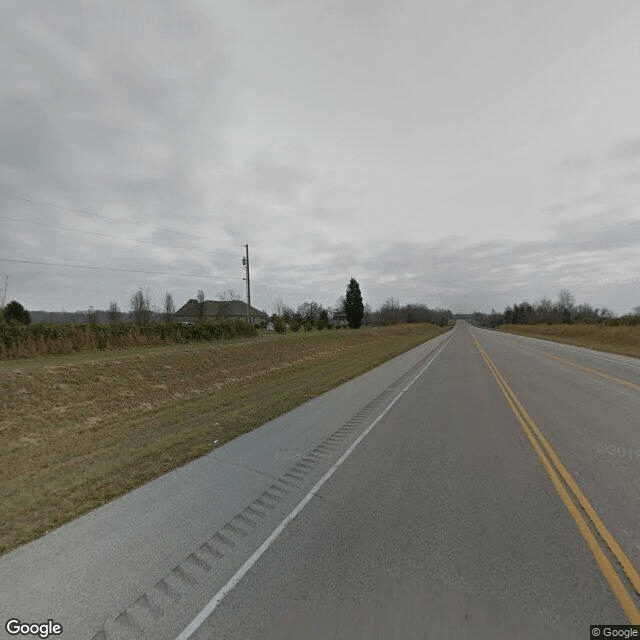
x=531, y=431
x=626, y=383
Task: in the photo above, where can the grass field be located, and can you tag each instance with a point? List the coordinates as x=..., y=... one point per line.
x=623, y=340
x=77, y=431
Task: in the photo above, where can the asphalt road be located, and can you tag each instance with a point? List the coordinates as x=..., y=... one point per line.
x=483, y=485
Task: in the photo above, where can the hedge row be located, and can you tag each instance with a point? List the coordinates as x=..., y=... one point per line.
x=24, y=341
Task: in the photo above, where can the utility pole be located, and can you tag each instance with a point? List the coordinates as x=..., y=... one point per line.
x=245, y=262
x=4, y=295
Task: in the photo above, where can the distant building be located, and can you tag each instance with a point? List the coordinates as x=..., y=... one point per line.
x=340, y=319
x=219, y=310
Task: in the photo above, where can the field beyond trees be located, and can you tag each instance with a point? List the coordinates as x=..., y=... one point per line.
x=77, y=431
x=621, y=339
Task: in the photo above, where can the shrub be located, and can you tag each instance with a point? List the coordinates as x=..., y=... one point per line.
x=294, y=325
x=280, y=325
x=22, y=341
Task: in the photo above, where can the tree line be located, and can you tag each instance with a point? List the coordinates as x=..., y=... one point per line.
x=350, y=310
x=142, y=310
x=564, y=310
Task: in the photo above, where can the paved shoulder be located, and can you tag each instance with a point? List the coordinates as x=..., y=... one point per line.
x=144, y=563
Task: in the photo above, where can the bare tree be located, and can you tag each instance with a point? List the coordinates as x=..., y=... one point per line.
x=278, y=307
x=140, y=305
x=546, y=311
x=309, y=311
x=282, y=310
x=92, y=315
x=228, y=295
x=390, y=311
x=566, y=302
x=566, y=298
x=201, y=309
x=169, y=307
x=113, y=312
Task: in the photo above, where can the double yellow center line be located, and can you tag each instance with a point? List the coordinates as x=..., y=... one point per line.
x=558, y=473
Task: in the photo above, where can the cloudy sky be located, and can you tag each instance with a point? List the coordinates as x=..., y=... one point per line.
x=464, y=154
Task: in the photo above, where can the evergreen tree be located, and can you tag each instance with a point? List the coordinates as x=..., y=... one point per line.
x=15, y=312
x=353, y=306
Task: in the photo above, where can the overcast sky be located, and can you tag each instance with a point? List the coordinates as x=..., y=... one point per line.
x=464, y=154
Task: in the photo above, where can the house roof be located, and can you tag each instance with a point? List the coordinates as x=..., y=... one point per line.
x=220, y=308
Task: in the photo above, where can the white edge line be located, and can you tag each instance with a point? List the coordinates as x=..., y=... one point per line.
x=191, y=628
x=614, y=358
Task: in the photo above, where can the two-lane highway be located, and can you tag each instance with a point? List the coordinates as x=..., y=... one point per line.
x=486, y=487
x=444, y=523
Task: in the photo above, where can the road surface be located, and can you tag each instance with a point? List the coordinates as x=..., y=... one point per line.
x=483, y=485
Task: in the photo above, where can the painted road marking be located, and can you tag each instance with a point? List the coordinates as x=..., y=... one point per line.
x=621, y=381
x=554, y=468
x=191, y=628
x=617, y=359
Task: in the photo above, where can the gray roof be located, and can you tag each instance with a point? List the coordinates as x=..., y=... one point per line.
x=219, y=308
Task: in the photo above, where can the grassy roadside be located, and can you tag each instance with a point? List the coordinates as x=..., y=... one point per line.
x=622, y=340
x=78, y=431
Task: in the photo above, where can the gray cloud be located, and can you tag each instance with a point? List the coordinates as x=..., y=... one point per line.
x=396, y=143
x=627, y=150
x=631, y=179
x=576, y=161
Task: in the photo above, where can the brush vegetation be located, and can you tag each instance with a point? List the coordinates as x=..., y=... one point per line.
x=79, y=430
x=33, y=340
x=620, y=338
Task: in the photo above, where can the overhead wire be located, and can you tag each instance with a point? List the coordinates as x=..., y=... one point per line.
x=85, y=266
x=109, y=235
x=99, y=215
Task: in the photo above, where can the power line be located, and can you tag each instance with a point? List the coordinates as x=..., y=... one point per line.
x=97, y=215
x=154, y=273
x=109, y=235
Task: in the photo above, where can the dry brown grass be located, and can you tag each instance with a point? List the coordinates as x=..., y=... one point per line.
x=623, y=340
x=33, y=347
x=38, y=340
x=78, y=431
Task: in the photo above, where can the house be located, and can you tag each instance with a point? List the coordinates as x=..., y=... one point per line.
x=219, y=310
x=340, y=319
